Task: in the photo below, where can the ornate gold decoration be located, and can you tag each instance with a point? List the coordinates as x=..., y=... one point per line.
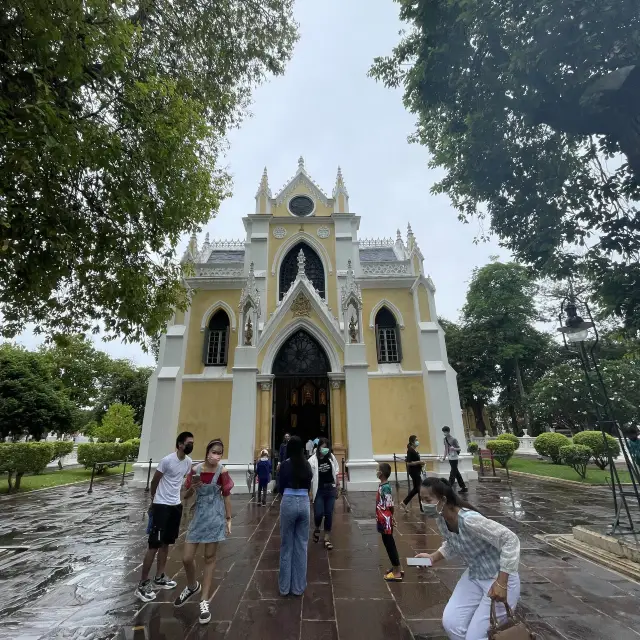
x=248, y=333
x=323, y=397
x=323, y=420
x=301, y=306
x=294, y=398
x=308, y=394
x=294, y=420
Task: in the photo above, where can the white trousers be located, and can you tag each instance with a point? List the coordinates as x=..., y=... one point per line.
x=468, y=612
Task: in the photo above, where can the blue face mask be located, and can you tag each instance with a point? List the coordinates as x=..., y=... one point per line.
x=416, y=443
x=430, y=510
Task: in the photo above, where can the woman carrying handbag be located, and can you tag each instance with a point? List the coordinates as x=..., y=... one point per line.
x=492, y=553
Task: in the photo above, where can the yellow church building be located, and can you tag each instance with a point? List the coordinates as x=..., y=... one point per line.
x=303, y=328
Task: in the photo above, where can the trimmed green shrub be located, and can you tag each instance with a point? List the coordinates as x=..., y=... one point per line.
x=548, y=444
x=577, y=457
x=117, y=424
x=61, y=448
x=595, y=442
x=23, y=457
x=502, y=450
x=132, y=448
x=473, y=448
x=510, y=438
x=90, y=453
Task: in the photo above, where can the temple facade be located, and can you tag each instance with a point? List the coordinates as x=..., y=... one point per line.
x=305, y=328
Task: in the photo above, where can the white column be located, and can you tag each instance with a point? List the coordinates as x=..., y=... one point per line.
x=362, y=466
x=242, y=431
x=162, y=408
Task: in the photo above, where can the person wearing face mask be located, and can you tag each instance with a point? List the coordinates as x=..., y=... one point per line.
x=211, y=523
x=452, y=451
x=166, y=513
x=414, y=467
x=492, y=554
x=323, y=489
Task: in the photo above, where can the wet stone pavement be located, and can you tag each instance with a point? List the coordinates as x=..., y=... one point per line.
x=69, y=563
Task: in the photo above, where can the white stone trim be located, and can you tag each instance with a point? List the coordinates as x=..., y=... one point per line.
x=302, y=195
x=395, y=374
x=219, y=304
x=302, y=236
x=285, y=334
x=392, y=307
x=210, y=374
x=168, y=373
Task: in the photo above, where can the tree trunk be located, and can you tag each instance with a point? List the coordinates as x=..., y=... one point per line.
x=523, y=396
x=514, y=419
x=478, y=414
x=9, y=478
x=16, y=486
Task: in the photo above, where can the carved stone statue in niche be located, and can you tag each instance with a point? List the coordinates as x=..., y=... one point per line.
x=248, y=333
x=353, y=329
x=322, y=397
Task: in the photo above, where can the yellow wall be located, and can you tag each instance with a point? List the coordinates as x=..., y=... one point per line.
x=397, y=411
x=423, y=304
x=403, y=300
x=202, y=300
x=205, y=410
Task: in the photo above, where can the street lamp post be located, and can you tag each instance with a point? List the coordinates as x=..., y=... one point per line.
x=575, y=331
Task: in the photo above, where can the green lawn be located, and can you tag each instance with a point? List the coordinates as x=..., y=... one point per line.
x=543, y=468
x=55, y=477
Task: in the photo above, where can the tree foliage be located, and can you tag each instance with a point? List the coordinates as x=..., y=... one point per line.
x=118, y=424
x=596, y=443
x=32, y=401
x=502, y=450
x=113, y=116
x=549, y=444
x=577, y=457
x=482, y=77
x=23, y=457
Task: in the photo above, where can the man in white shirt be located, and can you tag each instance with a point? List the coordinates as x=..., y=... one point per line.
x=166, y=514
x=452, y=451
x=309, y=448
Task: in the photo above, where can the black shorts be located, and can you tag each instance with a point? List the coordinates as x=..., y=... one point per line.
x=165, y=526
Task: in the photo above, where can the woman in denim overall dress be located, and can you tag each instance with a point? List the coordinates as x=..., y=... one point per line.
x=210, y=525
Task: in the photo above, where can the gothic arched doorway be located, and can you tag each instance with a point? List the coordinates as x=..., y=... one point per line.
x=301, y=389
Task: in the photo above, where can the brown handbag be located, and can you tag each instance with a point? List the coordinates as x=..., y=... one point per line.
x=512, y=628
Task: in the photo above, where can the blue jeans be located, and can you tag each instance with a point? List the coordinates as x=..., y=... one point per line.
x=294, y=538
x=323, y=507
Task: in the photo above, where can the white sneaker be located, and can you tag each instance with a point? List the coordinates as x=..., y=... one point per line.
x=144, y=592
x=205, y=614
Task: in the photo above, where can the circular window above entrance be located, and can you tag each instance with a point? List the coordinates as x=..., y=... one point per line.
x=301, y=206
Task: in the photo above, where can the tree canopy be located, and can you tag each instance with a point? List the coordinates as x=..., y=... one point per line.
x=482, y=77
x=113, y=116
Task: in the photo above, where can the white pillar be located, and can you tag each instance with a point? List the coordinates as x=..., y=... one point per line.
x=162, y=408
x=242, y=431
x=362, y=466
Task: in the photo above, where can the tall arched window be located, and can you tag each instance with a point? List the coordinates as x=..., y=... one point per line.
x=216, y=340
x=387, y=337
x=312, y=267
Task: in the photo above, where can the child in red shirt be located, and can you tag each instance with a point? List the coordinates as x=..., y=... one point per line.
x=385, y=522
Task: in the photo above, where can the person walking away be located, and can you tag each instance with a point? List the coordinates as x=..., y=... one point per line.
x=385, y=522
x=166, y=513
x=491, y=552
x=282, y=454
x=325, y=479
x=211, y=523
x=263, y=471
x=414, y=467
x=295, y=486
x=452, y=452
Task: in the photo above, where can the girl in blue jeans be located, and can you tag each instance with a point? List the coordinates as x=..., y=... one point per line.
x=325, y=479
x=295, y=487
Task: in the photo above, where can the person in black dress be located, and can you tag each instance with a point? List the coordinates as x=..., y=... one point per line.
x=414, y=467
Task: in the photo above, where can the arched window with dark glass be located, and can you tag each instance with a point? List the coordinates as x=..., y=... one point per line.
x=313, y=268
x=216, y=340
x=387, y=337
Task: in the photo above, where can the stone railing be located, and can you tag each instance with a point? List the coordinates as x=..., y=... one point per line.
x=526, y=443
x=219, y=272
x=385, y=268
x=377, y=243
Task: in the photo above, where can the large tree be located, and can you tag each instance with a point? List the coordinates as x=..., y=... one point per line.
x=32, y=400
x=113, y=115
x=500, y=91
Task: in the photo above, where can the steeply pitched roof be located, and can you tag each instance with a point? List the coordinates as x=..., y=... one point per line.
x=379, y=254
x=226, y=256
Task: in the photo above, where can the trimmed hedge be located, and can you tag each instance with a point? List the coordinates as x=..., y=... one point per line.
x=502, y=450
x=133, y=447
x=61, y=448
x=90, y=453
x=577, y=457
x=473, y=447
x=24, y=457
x=548, y=445
x=595, y=442
x=510, y=438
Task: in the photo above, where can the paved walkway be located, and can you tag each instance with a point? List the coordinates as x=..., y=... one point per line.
x=76, y=563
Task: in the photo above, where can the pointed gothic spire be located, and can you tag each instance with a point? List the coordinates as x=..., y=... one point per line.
x=263, y=195
x=410, y=237
x=340, y=195
x=351, y=290
x=300, y=164
x=398, y=236
x=250, y=295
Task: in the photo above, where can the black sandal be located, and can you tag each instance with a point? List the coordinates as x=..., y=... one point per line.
x=316, y=535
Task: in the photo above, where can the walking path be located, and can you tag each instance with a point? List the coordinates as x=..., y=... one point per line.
x=77, y=564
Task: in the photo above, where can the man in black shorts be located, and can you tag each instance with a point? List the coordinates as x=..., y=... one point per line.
x=166, y=513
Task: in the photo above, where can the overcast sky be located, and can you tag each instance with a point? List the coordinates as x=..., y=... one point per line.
x=326, y=109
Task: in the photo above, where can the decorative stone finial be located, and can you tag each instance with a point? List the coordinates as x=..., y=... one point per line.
x=300, y=163
x=301, y=264
x=398, y=236
x=351, y=292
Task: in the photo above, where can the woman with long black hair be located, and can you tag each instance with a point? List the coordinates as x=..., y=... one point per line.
x=492, y=554
x=295, y=487
x=414, y=467
x=325, y=480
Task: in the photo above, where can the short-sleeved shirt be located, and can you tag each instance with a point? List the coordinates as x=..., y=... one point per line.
x=413, y=456
x=287, y=481
x=384, y=504
x=325, y=471
x=173, y=471
x=206, y=477
x=451, y=447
